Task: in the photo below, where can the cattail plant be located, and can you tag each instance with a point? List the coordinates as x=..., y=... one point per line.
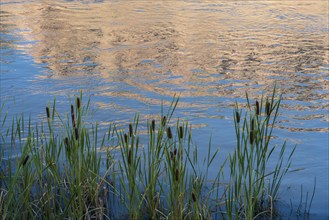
x=48, y=112
x=237, y=117
x=59, y=173
x=169, y=134
x=268, y=108
x=25, y=160
x=164, y=120
x=181, y=133
x=73, y=117
x=78, y=103
x=129, y=168
x=257, y=108
x=131, y=131
x=247, y=195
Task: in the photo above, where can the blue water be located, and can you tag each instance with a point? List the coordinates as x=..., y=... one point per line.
x=132, y=56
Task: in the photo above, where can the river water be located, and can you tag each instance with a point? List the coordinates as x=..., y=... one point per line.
x=132, y=56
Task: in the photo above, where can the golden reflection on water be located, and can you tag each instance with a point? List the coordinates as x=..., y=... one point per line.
x=217, y=49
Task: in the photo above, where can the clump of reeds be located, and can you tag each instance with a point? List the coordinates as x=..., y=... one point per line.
x=57, y=173
x=156, y=180
x=254, y=187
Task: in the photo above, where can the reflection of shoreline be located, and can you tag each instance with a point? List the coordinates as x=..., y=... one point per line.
x=179, y=47
x=145, y=53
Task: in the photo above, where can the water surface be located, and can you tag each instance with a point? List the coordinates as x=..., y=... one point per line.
x=131, y=56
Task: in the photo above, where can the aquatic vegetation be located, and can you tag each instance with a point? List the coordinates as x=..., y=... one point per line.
x=60, y=169
x=253, y=188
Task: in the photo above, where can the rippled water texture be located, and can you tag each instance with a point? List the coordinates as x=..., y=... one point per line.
x=132, y=55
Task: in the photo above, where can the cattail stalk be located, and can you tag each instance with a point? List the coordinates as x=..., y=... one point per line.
x=48, y=112
x=131, y=131
x=257, y=108
x=251, y=137
x=126, y=138
x=73, y=116
x=177, y=175
x=268, y=108
x=252, y=126
x=153, y=125
x=129, y=157
x=78, y=103
x=76, y=131
x=180, y=133
x=25, y=160
x=193, y=197
x=164, y=120
x=169, y=134
x=66, y=141
x=237, y=117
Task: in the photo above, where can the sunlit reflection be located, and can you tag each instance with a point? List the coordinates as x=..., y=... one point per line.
x=155, y=49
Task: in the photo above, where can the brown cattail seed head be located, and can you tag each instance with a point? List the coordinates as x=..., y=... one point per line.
x=237, y=117
x=47, y=111
x=76, y=131
x=129, y=157
x=66, y=142
x=180, y=132
x=169, y=134
x=175, y=152
x=153, y=125
x=177, y=175
x=251, y=137
x=131, y=130
x=268, y=108
x=25, y=160
x=193, y=197
x=164, y=120
x=72, y=116
x=252, y=126
x=257, y=108
x=171, y=155
x=78, y=103
x=126, y=138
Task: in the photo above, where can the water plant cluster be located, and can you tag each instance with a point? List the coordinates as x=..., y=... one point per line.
x=62, y=169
